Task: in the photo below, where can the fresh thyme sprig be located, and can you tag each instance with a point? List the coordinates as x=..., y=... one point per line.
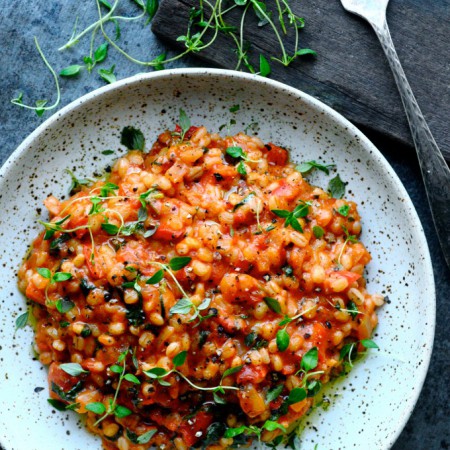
x=114, y=408
x=185, y=305
x=291, y=218
x=196, y=38
x=41, y=107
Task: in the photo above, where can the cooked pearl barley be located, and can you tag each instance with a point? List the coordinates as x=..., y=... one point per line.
x=59, y=345
x=122, y=443
x=238, y=251
x=106, y=340
x=356, y=296
x=117, y=328
x=156, y=319
x=146, y=339
x=378, y=299
x=260, y=310
x=110, y=429
x=339, y=284
x=130, y=297
x=173, y=349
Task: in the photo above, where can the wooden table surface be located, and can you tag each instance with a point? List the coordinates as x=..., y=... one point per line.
x=350, y=73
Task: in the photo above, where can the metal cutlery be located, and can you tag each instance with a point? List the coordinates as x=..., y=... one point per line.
x=435, y=172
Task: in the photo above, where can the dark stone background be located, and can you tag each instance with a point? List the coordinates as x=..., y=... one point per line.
x=22, y=70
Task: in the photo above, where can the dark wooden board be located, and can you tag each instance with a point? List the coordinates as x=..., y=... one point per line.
x=350, y=73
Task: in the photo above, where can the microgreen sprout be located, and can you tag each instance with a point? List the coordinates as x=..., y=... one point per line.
x=282, y=337
x=113, y=407
x=108, y=75
x=349, y=352
x=308, y=166
x=291, y=218
x=159, y=374
x=185, y=124
x=73, y=369
x=344, y=210
x=309, y=387
x=70, y=71
x=201, y=33
x=351, y=308
x=269, y=425
x=41, y=105
x=348, y=238
x=318, y=231
x=57, y=277
x=143, y=438
x=273, y=304
x=336, y=187
x=185, y=304
x=77, y=183
x=237, y=153
x=132, y=138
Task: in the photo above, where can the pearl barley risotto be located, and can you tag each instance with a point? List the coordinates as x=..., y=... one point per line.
x=199, y=294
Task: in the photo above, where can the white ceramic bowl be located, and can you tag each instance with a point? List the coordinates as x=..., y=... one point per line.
x=369, y=407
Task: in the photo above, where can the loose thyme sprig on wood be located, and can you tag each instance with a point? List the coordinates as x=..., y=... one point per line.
x=205, y=23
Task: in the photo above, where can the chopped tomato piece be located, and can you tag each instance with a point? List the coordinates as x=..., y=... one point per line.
x=93, y=264
x=231, y=323
x=350, y=276
x=321, y=339
x=189, y=132
x=276, y=155
x=347, y=275
x=275, y=404
x=194, y=429
x=286, y=191
x=222, y=172
x=167, y=234
x=79, y=221
x=62, y=379
x=243, y=216
x=242, y=287
x=252, y=374
x=33, y=293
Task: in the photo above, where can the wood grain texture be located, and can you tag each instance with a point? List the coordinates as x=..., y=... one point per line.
x=350, y=73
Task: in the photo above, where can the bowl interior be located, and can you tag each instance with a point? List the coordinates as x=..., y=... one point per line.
x=370, y=406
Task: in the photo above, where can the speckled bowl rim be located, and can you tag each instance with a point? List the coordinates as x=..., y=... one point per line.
x=310, y=101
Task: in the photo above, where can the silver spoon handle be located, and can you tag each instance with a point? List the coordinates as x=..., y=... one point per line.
x=435, y=172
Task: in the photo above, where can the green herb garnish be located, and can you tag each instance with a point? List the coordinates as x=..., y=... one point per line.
x=71, y=71
x=273, y=304
x=22, y=320
x=159, y=374
x=307, y=167
x=185, y=123
x=114, y=408
x=291, y=218
x=108, y=74
x=132, y=138
x=62, y=305
x=73, y=369
x=336, y=187
x=344, y=210
x=318, y=232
